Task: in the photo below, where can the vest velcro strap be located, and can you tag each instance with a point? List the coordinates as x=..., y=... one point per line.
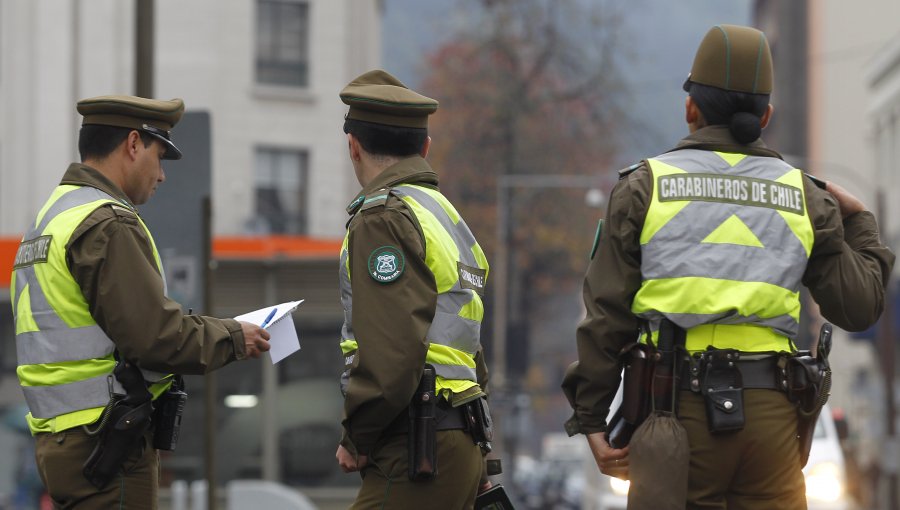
x=51, y=401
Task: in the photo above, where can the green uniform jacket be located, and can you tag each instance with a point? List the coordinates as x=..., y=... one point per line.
x=846, y=275
x=390, y=320
x=111, y=259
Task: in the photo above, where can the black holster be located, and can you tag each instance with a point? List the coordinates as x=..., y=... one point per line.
x=809, y=386
x=125, y=420
x=422, y=435
x=651, y=377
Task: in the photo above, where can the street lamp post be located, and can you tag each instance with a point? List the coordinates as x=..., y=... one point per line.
x=500, y=267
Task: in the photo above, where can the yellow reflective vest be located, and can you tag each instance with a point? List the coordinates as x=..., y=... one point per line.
x=460, y=271
x=65, y=360
x=724, y=247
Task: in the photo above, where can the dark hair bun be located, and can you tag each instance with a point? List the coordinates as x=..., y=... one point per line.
x=745, y=127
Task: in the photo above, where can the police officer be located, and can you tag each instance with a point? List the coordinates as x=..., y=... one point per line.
x=717, y=235
x=412, y=283
x=88, y=289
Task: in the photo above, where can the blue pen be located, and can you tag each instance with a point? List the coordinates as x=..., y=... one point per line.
x=266, y=322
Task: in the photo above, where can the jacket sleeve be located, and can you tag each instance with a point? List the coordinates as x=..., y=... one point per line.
x=613, y=278
x=849, y=267
x=111, y=259
x=390, y=323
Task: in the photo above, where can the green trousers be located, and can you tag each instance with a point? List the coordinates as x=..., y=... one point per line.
x=757, y=468
x=60, y=458
x=386, y=484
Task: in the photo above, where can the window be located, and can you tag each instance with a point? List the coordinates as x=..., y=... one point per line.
x=281, y=186
x=282, y=43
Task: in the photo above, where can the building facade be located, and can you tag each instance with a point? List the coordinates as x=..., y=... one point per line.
x=268, y=73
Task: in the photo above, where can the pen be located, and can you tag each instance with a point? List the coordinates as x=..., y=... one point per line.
x=271, y=314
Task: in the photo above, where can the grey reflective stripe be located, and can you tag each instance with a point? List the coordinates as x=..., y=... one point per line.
x=346, y=298
x=784, y=325
x=459, y=232
x=51, y=401
x=454, y=331
x=56, y=345
x=44, y=315
x=447, y=327
x=458, y=372
x=74, y=198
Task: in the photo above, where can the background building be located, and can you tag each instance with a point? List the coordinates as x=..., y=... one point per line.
x=268, y=74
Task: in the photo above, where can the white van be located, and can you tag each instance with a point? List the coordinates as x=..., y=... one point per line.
x=825, y=476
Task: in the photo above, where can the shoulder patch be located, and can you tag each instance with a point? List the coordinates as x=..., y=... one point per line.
x=625, y=172
x=386, y=264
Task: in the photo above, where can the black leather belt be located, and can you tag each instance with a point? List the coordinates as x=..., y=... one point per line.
x=446, y=417
x=758, y=374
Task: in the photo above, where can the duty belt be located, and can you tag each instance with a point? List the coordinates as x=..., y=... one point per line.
x=446, y=418
x=766, y=373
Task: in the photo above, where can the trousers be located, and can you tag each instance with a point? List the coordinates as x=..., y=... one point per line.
x=60, y=457
x=386, y=484
x=757, y=468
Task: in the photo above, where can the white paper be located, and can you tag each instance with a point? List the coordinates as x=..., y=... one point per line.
x=283, y=335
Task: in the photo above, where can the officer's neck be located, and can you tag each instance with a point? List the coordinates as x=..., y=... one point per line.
x=371, y=166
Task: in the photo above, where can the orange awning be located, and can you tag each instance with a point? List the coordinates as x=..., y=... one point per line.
x=248, y=248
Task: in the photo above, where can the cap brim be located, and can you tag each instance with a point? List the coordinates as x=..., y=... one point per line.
x=172, y=152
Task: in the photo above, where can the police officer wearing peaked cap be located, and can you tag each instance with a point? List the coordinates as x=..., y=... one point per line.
x=412, y=282
x=88, y=289
x=725, y=264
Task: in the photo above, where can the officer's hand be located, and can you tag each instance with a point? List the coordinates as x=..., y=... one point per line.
x=347, y=462
x=611, y=461
x=256, y=339
x=848, y=203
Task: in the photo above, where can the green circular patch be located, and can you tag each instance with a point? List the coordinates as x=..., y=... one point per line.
x=386, y=264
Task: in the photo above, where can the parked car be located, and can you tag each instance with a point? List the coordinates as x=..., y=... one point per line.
x=825, y=476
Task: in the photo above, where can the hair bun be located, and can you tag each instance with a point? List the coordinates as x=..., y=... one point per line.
x=745, y=127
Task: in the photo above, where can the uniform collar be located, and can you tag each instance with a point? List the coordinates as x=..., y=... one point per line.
x=719, y=138
x=413, y=170
x=79, y=174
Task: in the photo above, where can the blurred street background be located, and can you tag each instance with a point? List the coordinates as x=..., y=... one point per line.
x=541, y=102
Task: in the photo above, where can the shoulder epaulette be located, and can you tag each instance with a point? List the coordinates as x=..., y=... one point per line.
x=625, y=172
x=122, y=211
x=377, y=199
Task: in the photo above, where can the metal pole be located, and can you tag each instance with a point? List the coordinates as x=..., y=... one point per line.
x=888, y=356
x=143, y=59
x=269, y=426
x=209, y=380
x=498, y=374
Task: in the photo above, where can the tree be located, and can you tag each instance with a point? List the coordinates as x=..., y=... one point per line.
x=529, y=87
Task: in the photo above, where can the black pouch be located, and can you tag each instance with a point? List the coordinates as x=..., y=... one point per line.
x=422, y=435
x=167, y=416
x=723, y=391
x=481, y=426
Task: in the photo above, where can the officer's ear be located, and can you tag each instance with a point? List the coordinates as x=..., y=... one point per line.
x=354, y=148
x=692, y=115
x=767, y=116
x=425, y=147
x=131, y=144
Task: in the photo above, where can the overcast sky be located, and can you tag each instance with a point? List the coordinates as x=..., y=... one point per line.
x=662, y=36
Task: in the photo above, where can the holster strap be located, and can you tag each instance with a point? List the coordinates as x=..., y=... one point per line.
x=761, y=374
